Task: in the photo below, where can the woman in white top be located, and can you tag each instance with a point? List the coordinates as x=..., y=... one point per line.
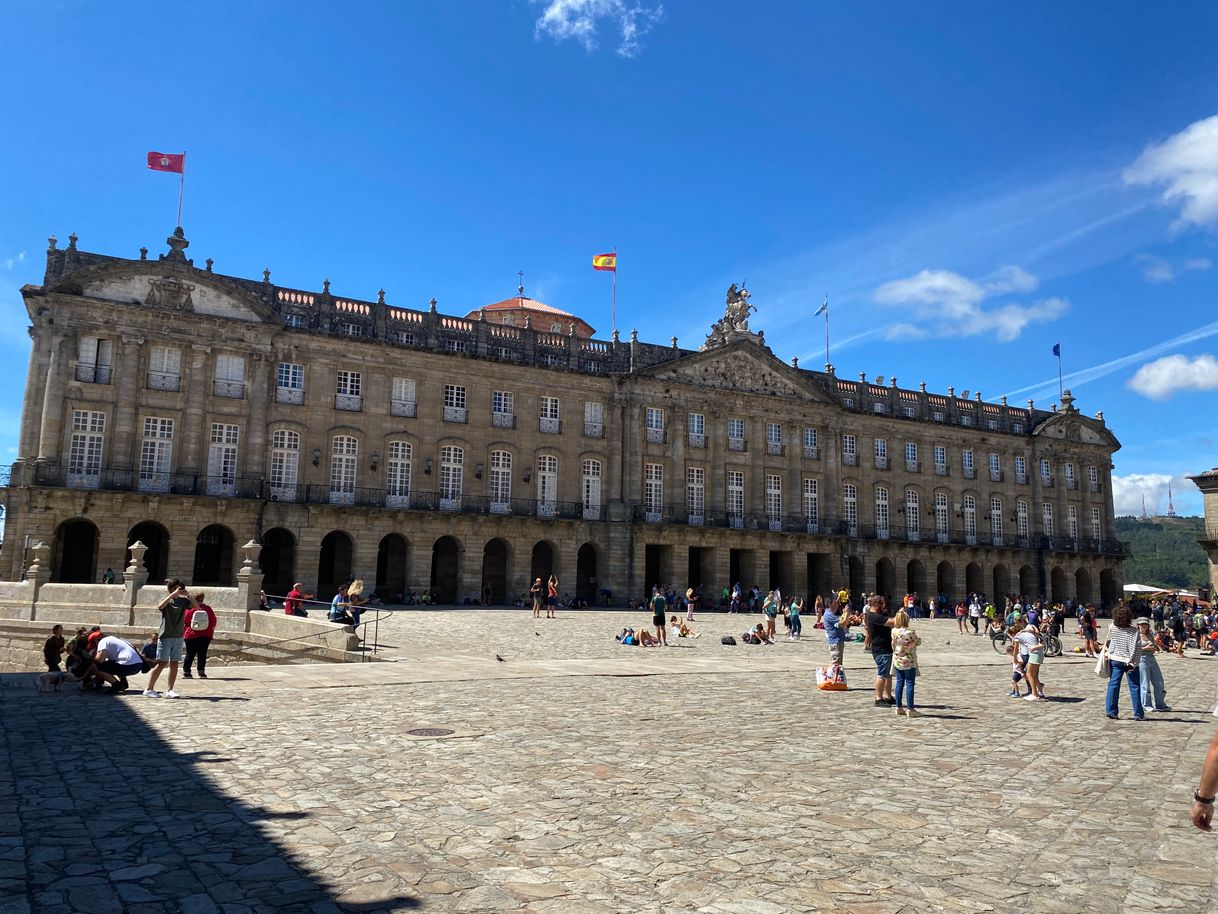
x=1028, y=641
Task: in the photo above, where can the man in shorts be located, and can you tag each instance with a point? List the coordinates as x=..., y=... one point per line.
x=837, y=622
x=537, y=592
x=879, y=641
x=658, y=606
x=171, y=643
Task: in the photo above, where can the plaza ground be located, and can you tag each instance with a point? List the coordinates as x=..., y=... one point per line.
x=582, y=777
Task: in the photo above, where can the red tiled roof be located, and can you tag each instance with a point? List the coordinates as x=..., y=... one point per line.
x=511, y=304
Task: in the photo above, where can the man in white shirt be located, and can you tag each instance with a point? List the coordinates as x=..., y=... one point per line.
x=114, y=661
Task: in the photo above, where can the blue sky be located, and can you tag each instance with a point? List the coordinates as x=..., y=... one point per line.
x=970, y=183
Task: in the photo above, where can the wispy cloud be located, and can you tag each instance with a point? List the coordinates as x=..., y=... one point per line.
x=1156, y=269
x=1103, y=369
x=1186, y=166
x=944, y=303
x=1163, y=377
x=580, y=20
x=10, y=262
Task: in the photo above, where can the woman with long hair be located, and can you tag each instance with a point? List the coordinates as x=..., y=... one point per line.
x=1124, y=653
x=905, y=643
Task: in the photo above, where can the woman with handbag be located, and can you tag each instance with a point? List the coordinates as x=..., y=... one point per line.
x=1123, y=651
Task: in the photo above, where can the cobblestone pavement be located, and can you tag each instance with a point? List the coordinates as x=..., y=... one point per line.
x=582, y=777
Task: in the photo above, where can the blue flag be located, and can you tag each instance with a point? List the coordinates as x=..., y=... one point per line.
x=1057, y=350
x=823, y=308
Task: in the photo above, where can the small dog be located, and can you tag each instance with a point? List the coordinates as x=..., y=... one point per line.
x=53, y=682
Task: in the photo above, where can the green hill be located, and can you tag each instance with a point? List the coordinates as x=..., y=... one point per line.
x=1164, y=551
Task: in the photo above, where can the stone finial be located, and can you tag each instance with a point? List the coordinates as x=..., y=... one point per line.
x=1030, y=402
x=209, y=263
x=978, y=397
x=325, y=287
x=617, y=337
x=266, y=275
x=51, y=243
x=137, y=550
x=634, y=336
x=571, y=329
x=431, y=306
x=794, y=361
x=481, y=316
x=951, y=390
x=674, y=342
x=528, y=322
x=143, y=253
x=1068, y=400
x=922, y=387
x=893, y=383
x=863, y=376
x=1004, y=399
x=830, y=370
x=177, y=246
x=1099, y=415
x=250, y=553
x=42, y=560
x=72, y=242
x=380, y=296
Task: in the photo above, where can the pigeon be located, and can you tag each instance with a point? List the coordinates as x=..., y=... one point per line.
x=500, y=659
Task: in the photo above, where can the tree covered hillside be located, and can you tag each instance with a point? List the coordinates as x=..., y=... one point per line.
x=1164, y=551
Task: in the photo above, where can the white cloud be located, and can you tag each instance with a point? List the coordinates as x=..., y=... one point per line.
x=580, y=20
x=1127, y=492
x=1198, y=263
x=1155, y=269
x=11, y=262
x=948, y=304
x=1163, y=377
x=1187, y=165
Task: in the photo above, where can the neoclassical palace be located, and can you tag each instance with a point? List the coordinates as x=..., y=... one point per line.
x=194, y=411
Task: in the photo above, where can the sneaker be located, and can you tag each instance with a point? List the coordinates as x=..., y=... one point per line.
x=186, y=674
x=900, y=712
x=171, y=694
x=1164, y=708
x=1113, y=717
x=203, y=675
x=912, y=713
x=1141, y=717
x=881, y=703
x=151, y=693
x=1013, y=694
x=890, y=701
x=1029, y=697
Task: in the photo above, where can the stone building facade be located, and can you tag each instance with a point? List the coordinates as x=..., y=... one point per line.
x=1207, y=482
x=194, y=411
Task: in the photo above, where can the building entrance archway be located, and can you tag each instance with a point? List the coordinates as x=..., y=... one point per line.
x=156, y=559
x=885, y=578
x=391, y=568
x=277, y=561
x=494, y=570
x=445, y=570
x=585, y=574
x=333, y=563
x=945, y=581
x=542, y=564
x=214, y=557
x=75, y=554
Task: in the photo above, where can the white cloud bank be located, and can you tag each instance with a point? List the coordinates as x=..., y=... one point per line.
x=1186, y=165
x=580, y=20
x=1163, y=377
x=1127, y=492
x=943, y=303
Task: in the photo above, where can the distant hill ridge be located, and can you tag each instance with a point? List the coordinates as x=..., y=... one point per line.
x=1165, y=551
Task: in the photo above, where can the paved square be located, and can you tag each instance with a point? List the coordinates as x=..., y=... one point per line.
x=582, y=776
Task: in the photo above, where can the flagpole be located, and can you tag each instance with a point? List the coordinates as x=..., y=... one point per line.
x=1060, y=393
x=181, y=188
x=827, y=362
x=613, y=314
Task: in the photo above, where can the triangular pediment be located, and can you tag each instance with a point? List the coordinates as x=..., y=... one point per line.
x=743, y=367
x=1073, y=426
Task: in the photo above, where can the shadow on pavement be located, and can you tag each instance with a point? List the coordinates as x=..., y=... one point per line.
x=99, y=814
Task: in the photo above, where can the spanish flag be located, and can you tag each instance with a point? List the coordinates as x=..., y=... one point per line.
x=606, y=262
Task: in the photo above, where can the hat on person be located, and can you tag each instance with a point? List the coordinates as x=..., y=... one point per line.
x=1141, y=620
x=94, y=637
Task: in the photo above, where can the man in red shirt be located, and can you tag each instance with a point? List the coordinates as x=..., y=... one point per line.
x=291, y=606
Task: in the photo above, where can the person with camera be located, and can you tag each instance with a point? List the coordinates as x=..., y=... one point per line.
x=171, y=643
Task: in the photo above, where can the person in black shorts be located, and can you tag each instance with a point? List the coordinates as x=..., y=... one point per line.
x=879, y=642
x=658, y=606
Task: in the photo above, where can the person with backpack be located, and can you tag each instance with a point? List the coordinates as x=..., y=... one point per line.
x=199, y=631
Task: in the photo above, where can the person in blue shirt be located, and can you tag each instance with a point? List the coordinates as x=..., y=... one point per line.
x=837, y=626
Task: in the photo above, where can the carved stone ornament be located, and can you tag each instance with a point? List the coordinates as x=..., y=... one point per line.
x=170, y=293
x=734, y=324
x=741, y=373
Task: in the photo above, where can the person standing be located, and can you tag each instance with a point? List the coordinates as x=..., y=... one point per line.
x=691, y=600
x=796, y=608
x=974, y=615
x=537, y=592
x=770, y=609
x=1088, y=629
x=1032, y=653
x=734, y=604
x=552, y=596
x=905, y=643
x=200, y=629
x=52, y=649
x=170, y=643
x=1124, y=655
x=837, y=625
x=658, y=606
x=1154, y=693
x=879, y=641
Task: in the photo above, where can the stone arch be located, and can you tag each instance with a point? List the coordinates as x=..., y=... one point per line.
x=1027, y=581
x=1002, y=585
x=945, y=580
x=334, y=563
x=445, y=569
x=855, y=572
x=496, y=555
x=544, y=561
x=278, y=561
x=214, y=550
x=586, y=567
x=74, y=559
x=974, y=580
x=391, y=564
x=1059, y=592
x=1109, y=591
x=915, y=578
x=156, y=559
x=1082, y=586
x=885, y=578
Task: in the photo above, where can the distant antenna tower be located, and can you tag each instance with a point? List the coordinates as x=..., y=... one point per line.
x=1145, y=516
x=1171, y=509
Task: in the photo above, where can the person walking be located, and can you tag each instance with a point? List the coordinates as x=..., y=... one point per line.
x=879, y=641
x=734, y=605
x=658, y=606
x=1124, y=655
x=797, y=627
x=1154, y=692
x=905, y=643
x=1088, y=629
x=1032, y=652
x=974, y=615
x=170, y=643
x=198, y=633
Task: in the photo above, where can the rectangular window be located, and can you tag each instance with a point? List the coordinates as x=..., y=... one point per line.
x=1093, y=478
x=156, y=455
x=695, y=493
x=735, y=497
x=850, y=454
x=501, y=482
x=881, y=454
x=1068, y=472
x=909, y=412
x=1021, y=519
x=941, y=517
x=347, y=328
x=773, y=500
x=655, y=425
x=222, y=460
x=850, y=508
x=1017, y=428
x=735, y=429
x=592, y=489
x=913, y=515
x=995, y=467
x=230, y=376
x=456, y=345
x=164, y=368
x=996, y=521
x=911, y=457
x=94, y=363
x=773, y=438
x=547, y=485
x=550, y=422
x=940, y=460
x=811, y=506
x=452, y=477
x=1021, y=470
x=594, y=420
x=289, y=383
x=349, y=390
x=455, y=403
x=966, y=462
x=811, y=451
x=697, y=430
x=397, y=474
x=285, y=460
x=1096, y=533
x=1046, y=471
x=1072, y=523
x=503, y=409
x=85, y=448
x=937, y=416
x=403, y=398
x=1046, y=515
x=344, y=462
x=295, y=321
x=882, y=529
x=653, y=491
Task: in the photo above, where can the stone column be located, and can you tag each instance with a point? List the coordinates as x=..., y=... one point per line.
x=52, y=400
x=261, y=366
x=31, y=418
x=122, y=452
x=249, y=579
x=191, y=456
x=134, y=578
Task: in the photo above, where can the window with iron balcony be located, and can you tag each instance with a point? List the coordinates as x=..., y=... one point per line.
x=455, y=403
x=348, y=391
x=549, y=422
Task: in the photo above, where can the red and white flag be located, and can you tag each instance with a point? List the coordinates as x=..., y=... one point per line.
x=167, y=161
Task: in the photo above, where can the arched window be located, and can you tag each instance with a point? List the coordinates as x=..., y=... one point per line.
x=547, y=485
x=592, y=489
x=452, y=476
x=397, y=474
x=996, y=520
x=344, y=454
x=850, y=508
x=285, y=464
x=941, y=517
x=913, y=515
x=881, y=512
x=501, y=482
x=970, y=520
